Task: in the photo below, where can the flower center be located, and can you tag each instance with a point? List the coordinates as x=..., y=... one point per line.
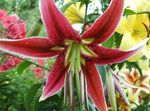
x=73, y=57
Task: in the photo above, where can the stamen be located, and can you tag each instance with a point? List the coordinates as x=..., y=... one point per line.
x=71, y=90
x=66, y=88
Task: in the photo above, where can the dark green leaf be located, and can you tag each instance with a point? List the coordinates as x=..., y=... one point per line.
x=118, y=39
x=30, y=96
x=23, y=66
x=120, y=65
x=102, y=71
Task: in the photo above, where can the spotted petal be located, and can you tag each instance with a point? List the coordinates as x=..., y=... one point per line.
x=94, y=86
x=110, y=56
x=57, y=26
x=56, y=77
x=31, y=47
x=105, y=25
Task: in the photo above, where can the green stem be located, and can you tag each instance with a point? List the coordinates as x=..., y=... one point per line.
x=35, y=64
x=31, y=62
x=138, y=13
x=145, y=12
x=85, y=18
x=147, y=27
x=71, y=91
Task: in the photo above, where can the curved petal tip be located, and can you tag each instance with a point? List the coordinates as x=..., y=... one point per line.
x=42, y=98
x=141, y=44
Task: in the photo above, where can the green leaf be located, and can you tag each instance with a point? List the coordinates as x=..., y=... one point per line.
x=118, y=39
x=110, y=42
x=120, y=65
x=36, y=28
x=36, y=105
x=67, y=5
x=111, y=90
x=30, y=96
x=92, y=17
x=129, y=12
x=23, y=66
x=102, y=71
x=143, y=107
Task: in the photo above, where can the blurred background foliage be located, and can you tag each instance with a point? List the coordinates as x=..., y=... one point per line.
x=27, y=10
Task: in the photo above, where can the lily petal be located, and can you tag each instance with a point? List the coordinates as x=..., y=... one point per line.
x=94, y=86
x=30, y=47
x=57, y=26
x=105, y=25
x=56, y=77
x=110, y=56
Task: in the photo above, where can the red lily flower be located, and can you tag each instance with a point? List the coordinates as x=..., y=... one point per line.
x=74, y=53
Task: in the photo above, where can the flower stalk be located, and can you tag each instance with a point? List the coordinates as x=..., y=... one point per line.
x=85, y=18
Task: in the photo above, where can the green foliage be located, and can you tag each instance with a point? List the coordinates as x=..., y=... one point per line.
x=35, y=28
x=103, y=73
x=145, y=107
x=105, y=4
x=128, y=12
x=23, y=66
x=110, y=42
x=12, y=91
x=64, y=7
x=23, y=8
x=28, y=99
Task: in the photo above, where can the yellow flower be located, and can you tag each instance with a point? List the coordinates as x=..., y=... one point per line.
x=133, y=27
x=75, y=13
x=144, y=65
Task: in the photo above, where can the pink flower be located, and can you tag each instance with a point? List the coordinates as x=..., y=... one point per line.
x=14, y=26
x=10, y=62
x=8, y=20
x=40, y=62
x=3, y=14
x=16, y=30
x=75, y=53
x=39, y=72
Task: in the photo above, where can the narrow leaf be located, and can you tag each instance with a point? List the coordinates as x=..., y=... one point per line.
x=102, y=71
x=111, y=90
x=30, y=96
x=36, y=28
x=23, y=66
